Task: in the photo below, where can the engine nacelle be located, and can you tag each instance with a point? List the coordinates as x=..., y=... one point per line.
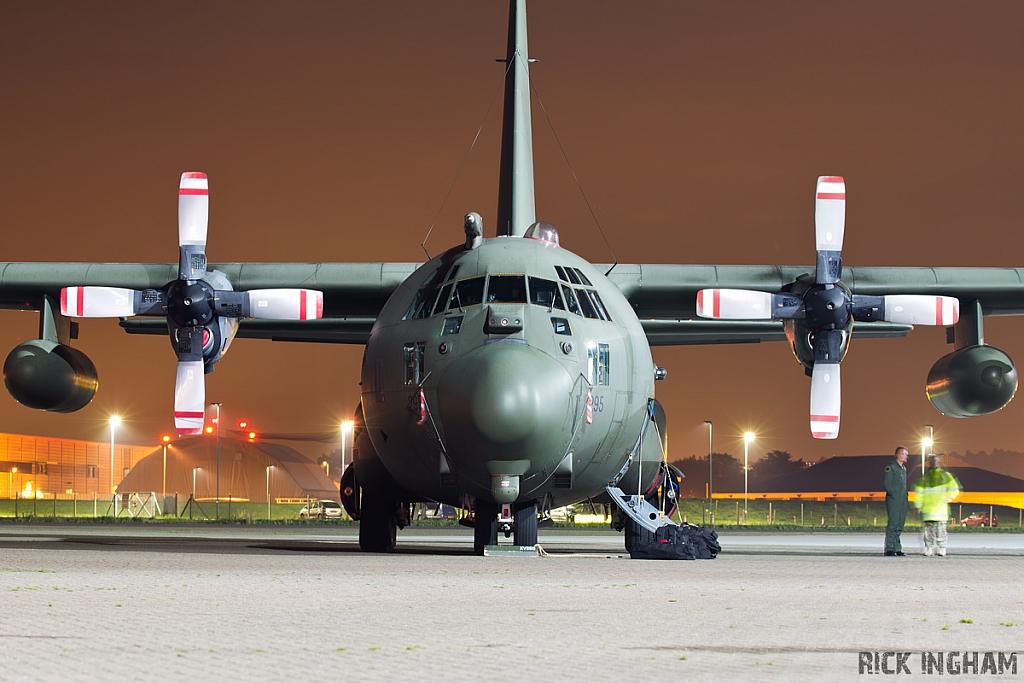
x=974, y=380
x=45, y=375
x=801, y=340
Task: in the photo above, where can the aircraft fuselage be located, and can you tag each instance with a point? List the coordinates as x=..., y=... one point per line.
x=506, y=340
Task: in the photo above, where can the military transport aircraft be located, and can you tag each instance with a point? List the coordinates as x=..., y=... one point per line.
x=507, y=374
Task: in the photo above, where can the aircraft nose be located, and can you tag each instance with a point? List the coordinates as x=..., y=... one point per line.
x=505, y=400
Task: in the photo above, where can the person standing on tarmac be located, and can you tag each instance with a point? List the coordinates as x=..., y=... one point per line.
x=896, y=501
x=933, y=493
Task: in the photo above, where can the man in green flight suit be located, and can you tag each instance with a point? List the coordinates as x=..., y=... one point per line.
x=896, y=501
x=932, y=494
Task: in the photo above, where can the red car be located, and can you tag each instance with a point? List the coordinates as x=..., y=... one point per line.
x=979, y=519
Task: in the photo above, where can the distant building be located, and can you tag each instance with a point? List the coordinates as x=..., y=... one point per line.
x=33, y=465
x=859, y=478
x=30, y=464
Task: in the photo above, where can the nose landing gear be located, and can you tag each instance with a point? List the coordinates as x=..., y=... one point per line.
x=516, y=520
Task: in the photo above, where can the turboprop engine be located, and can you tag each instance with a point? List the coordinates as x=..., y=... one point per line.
x=45, y=375
x=974, y=380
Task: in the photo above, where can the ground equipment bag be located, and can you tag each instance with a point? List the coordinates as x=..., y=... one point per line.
x=671, y=542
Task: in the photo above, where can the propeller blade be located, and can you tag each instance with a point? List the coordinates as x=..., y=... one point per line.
x=97, y=302
x=193, y=218
x=825, y=400
x=918, y=309
x=826, y=392
x=190, y=397
x=829, y=227
x=285, y=304
x=907, y=309
x=734, y=304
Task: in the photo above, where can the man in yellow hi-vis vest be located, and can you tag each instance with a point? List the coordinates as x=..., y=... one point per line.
x=934, y=491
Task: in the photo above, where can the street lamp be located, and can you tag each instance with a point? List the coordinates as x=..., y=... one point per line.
x=269, y=467
x=710, y=470
x=926, y=444
x=217, y=485
x=326, y=464
x=114, y=421
x=194, y=491
x=747, y=438
x=10, y=480
x=347, y=428
x=166, y=439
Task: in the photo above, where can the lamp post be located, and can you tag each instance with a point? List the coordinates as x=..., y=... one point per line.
x=326, y=464
x=346, y=433
x=114, y=420
x=711, y=510
x=269, y=467
x=217, y=484
x=926, y=444
x=166, y=439
x=747, y=438
x=194, y=491
x=10, y=480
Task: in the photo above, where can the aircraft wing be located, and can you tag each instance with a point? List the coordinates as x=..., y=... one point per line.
x=354, y=293
x=664, y=296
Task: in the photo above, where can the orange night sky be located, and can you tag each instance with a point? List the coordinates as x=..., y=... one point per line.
x=332, y=132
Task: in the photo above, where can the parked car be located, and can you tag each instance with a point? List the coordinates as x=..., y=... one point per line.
x=979, y=519
x=320, y=509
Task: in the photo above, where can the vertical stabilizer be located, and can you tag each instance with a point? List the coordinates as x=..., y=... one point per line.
x=516, y=208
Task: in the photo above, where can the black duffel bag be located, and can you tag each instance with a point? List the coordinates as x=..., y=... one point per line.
x=683, y=542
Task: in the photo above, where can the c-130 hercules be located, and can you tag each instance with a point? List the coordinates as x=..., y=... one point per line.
x=507, y=374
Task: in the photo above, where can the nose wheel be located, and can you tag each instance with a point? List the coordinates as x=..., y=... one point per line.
x=518, y=521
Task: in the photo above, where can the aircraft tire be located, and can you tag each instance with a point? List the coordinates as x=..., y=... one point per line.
x=378, y=528
x=525, y=530
x=485, y=525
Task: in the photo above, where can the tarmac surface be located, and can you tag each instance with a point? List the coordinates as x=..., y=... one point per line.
x=248, y=603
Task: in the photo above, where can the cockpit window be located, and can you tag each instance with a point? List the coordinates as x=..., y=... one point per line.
x=423, y=303
x=586, y=304
x=545, y=293
x=452, y=272
x=468, y=293
x=570, y=301
x=510, y=289
x=582, y=277
x=573, y=277
x=561, y=273
x=442, y=301
x=601, y=310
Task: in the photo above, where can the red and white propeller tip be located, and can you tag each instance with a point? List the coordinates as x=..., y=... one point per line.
x=97, y=302
x=190, y=397
x=830, y=213
x=919, y=309
x=734, y=304
x=286, y=304
x=826, y=399
x=193, y=208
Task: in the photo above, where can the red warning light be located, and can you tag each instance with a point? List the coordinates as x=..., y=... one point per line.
x=252, y=436
x=165, y=438
x=243, y=424
x=209, y=430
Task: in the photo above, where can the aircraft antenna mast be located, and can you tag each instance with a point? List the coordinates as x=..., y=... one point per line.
x=516, y=207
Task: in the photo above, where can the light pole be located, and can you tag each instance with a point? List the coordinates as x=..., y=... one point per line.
x=326, y=464
x=194, y=491
x=269, y=467
x=926, y=444
x=711, y=510
x=166, y=439
x=346, y=434
x=114, y=420
x=10, y=480
x=747, y=438
x=217, y=485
